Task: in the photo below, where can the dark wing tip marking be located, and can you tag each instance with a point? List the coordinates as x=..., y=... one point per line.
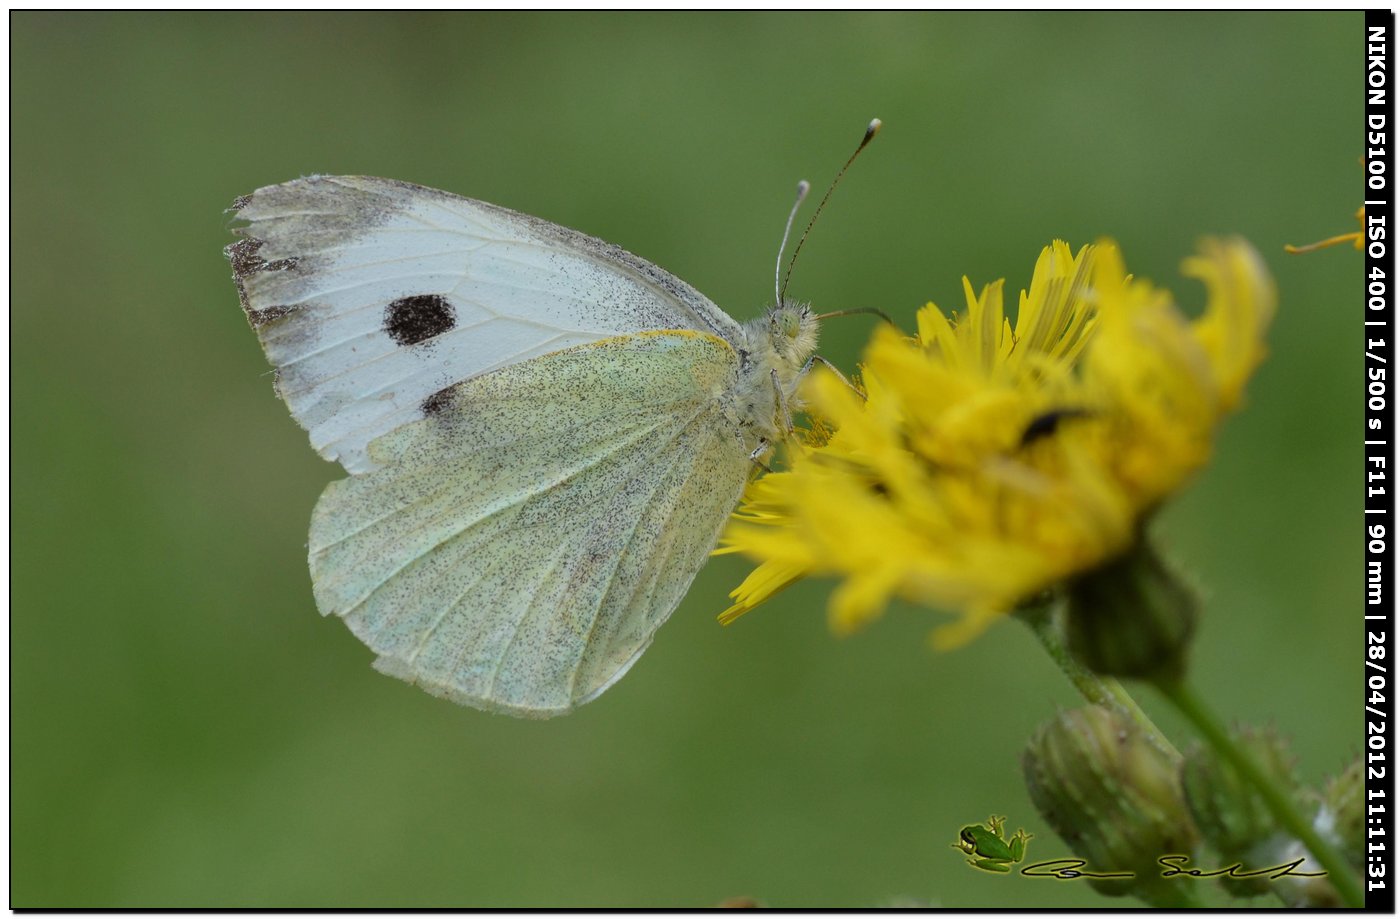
x=260, y=318
x=240, y=202
x=243, y=257
x=410, y=320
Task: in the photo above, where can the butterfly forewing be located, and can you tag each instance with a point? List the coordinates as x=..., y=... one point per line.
x=371, y=296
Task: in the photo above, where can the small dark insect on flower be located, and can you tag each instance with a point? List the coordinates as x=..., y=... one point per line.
x=1046, y=423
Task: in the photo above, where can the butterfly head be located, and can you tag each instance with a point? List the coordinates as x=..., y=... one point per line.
x=792, y=331
x=781, y=341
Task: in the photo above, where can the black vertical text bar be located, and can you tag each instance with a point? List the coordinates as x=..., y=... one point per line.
x=1379, y=325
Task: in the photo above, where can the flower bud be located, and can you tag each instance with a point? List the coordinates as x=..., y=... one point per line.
x=1344, y=800
x=1230, y=815
x=1113, y=796
x=1340, y=819
x=1132, y=617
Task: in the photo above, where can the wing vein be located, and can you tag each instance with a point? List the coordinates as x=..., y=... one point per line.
x=444, y=482
x=631, y=538
x=320, y=381
x=515, y=502
x=535, y=592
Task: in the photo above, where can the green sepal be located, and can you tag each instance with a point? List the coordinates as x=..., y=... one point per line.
x=1132, y=617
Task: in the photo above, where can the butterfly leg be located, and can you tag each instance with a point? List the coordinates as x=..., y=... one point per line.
x=818, y=359
x=783, y=410
x=758, y=451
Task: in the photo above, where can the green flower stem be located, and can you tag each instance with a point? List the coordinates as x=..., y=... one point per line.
x=1096, y=689
x=1280, y=805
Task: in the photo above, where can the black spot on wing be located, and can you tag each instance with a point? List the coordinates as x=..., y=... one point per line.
x=410, y=320
x=437, y=403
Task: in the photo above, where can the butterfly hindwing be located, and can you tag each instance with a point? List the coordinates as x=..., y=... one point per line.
x=371, y=296
x=516, y=549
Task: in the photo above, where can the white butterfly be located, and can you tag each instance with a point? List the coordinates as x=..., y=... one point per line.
x=544, y=432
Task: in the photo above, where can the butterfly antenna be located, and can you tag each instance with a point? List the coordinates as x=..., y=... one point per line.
x=856, y=311
x=870, y=131
x=802, y=188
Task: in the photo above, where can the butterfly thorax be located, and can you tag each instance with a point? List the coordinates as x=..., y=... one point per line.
x=776, y=348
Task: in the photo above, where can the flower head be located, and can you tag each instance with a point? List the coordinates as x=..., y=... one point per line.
x=979, y=463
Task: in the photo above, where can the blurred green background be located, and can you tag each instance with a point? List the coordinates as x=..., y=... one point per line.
x=187, y=731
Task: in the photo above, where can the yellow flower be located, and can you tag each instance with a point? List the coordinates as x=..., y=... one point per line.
x=1356, y=239
x=981, y=463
